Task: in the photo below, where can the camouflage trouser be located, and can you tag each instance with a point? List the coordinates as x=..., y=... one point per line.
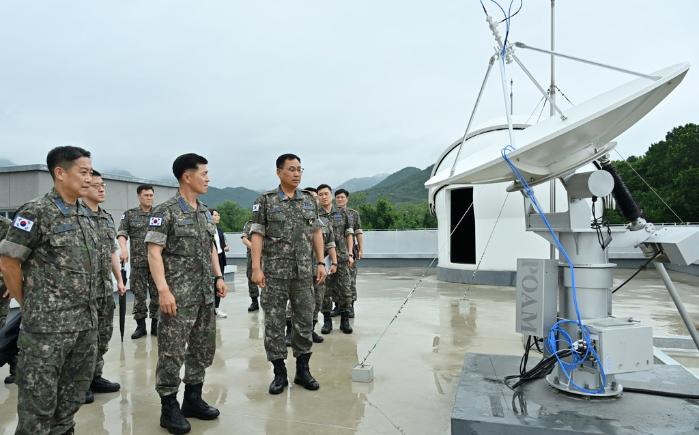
x=337, y=288
x=142, y=285
x=4, y=308
x=253, y=290
x=353, y=275
x=273, y=300
x=54, y=371
x=188, y=338
x=318, y=292
x=105, y=327
x=318, y=295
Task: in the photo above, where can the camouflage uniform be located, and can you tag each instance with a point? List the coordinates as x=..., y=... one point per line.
x=319, y=290
x=4, y=302
x=189, y=337
x=106, y=232
x=287, y=226
x=356, y=224
x=253, y=290
x=133, y=226
x=57, y=245
x=338, y=284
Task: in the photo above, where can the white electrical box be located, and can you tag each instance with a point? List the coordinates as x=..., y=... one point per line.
x=623, y=345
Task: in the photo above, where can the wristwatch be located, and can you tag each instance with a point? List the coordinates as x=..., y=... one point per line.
x=333, y=264
x=216, y=278
x=320, y=263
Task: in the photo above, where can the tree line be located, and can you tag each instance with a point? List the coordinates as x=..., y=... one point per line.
x=671, y=168
x=381, y=215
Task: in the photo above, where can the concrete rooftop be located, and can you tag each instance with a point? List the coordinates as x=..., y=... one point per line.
x=416, y=366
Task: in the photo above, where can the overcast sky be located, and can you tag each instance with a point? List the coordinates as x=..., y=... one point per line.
x=355, y=88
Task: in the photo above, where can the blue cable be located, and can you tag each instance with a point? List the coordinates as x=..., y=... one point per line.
x=552, y=342
x=557, y=328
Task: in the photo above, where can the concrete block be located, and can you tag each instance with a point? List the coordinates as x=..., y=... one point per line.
x=363, y=373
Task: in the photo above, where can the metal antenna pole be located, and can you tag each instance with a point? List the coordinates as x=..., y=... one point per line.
x=552, y=112
x=686, y=318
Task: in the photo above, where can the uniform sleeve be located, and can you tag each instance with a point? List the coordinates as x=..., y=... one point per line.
x=348, y=227
x=317, y=222
x=259, y=216
x=124, y=225
x=159, y=226
x=330, y=238
x=115, y=245
x=23, y=236
x=358, y=223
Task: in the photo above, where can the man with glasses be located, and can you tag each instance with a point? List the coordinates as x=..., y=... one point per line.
x=285, y=234
x=133, y=227
x=108, y=266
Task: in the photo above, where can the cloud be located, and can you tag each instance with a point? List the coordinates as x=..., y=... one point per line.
x=355, y=88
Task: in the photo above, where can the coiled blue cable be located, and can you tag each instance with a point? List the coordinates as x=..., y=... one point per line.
x=557, y=329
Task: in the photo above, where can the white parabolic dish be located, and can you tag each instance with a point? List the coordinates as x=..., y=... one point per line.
x=556, y=147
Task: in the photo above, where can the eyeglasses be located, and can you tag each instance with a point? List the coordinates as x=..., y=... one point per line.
x=98, y=185
x=293, y=169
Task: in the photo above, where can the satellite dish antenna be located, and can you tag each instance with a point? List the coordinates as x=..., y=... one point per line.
x=556, y=148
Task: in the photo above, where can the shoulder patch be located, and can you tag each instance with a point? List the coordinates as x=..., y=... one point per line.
x=255, y=207
x=23, y=223
x=155, y=221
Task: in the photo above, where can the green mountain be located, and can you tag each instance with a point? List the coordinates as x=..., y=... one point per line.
x=242, y=196
x=362, y=183
x=404, y=186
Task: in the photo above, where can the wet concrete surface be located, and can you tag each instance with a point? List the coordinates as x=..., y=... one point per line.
x=416, y=365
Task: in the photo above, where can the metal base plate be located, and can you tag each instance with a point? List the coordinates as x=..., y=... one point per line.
x=484, y=405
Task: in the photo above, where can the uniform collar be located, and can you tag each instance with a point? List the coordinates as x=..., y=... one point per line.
x=65, y=209
x=332, y=210
x=184, y=205
x=283, y=197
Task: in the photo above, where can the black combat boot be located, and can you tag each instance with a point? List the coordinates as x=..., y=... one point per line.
x=171, y=417
x=327, y=324
x=10, y=379
x=303, y=374
x=140, y=329
x=344, y=322
x=316, y=338
x=194, y=406
x=335, y=311
x=287, y=337
x=154, y=327
x=101, y=385
x=280, y=379
x=254, y=306
x=89, y=397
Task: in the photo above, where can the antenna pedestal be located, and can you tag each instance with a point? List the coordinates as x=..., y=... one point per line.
x=622, y=344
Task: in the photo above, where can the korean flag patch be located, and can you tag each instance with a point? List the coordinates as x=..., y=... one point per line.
x=255, y=207
x=155, y=221
x=23, y=223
